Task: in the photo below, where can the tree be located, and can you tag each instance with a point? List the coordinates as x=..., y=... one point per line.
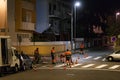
x=113, y=26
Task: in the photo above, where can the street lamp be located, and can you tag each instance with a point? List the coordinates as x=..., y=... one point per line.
x=73, y=16
x=117, y=14
x=76, y=4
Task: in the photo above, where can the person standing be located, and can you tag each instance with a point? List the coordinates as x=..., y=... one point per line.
x=68, y=57
x=53, y=55
x=82, y=48
x=37, y=55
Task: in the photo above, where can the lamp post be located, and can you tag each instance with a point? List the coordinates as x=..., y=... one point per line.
x=73, y=16
x=76, y=4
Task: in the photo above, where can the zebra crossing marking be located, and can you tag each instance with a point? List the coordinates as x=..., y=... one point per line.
x=76, y=65
x=101, y=66
x=60, y=65
x=114, y=67
x=96, y=58
x=103, y=59
x=88, y=57
x=89, y=65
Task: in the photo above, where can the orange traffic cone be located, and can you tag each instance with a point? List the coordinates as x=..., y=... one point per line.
x=51, y=68
x=35, y=68
x=76, y=62
x=64, y=67
x=85, y=55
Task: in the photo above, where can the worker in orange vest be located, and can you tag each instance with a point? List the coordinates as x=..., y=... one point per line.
x=53, y=55
x=68, y=57
x=82, y=48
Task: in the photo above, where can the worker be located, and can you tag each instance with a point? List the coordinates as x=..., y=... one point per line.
x=82, y=48
x=68, y=57
x=53, y=55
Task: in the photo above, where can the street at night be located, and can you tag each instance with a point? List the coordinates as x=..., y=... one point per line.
x=92, y=67
x=59, y=39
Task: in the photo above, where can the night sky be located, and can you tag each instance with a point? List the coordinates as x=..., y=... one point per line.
x=99, y=5
x=91, y=10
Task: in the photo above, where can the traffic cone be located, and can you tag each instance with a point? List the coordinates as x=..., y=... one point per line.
x=70, y=66
x=51, y=68
x=64, y=67
x=35, y=68
x=85, y=55
x=76, y=62
x=67, y=62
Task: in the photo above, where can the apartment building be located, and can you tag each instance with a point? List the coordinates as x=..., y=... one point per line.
x=53, y=18
x=3, y=17
x=18, y=18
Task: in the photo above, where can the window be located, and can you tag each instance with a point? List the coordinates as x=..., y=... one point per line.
x=49, y=8
x=26, y=16
x=54, y=7
x=118, y=52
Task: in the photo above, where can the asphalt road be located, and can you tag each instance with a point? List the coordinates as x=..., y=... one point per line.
x=92, y=67
x=62, y=74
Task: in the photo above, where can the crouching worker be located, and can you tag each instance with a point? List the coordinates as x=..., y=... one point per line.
x=68, y=57
x=62, y=58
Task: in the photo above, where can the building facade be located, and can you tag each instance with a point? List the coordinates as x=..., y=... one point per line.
x=53, y=18
x=18, y=18
x=3, y=17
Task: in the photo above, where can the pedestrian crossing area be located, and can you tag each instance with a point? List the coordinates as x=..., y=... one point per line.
x=90, y=66
x=91, y=63
x=91, y=58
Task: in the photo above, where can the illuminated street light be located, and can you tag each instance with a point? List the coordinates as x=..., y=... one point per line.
x=77, y=4
x=74, y=6
x=117, y=14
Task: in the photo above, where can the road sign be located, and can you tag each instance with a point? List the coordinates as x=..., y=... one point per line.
x=113, y=38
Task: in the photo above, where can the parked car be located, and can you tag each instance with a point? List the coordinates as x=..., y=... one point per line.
x=25, y=62
x=114, y=56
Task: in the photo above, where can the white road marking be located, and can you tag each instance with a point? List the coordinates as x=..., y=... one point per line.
x=101, y=66
x=88, y=57
x=75, y=65
x=103, y=59
x=44, y=66
x=114, y=67
x=60, y=65
x=89, y=65
x=97, y=58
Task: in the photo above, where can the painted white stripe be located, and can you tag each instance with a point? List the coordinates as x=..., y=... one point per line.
x=44, y=66
x=88, y=57
x=89, y=65
x=60, y=65
x=103, y=59
x=97, y=58
x=114, y=67
x=76, y=65
x=101, y=66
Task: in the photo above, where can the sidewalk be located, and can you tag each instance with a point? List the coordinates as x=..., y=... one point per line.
x=47, y=59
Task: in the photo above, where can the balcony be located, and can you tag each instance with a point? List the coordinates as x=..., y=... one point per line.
x=28, y=26
x=27, y=5
x=55, y=14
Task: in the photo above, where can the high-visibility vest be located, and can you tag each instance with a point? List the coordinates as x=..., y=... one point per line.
x=52, y=51
x=68, y=53
x=82, y=46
